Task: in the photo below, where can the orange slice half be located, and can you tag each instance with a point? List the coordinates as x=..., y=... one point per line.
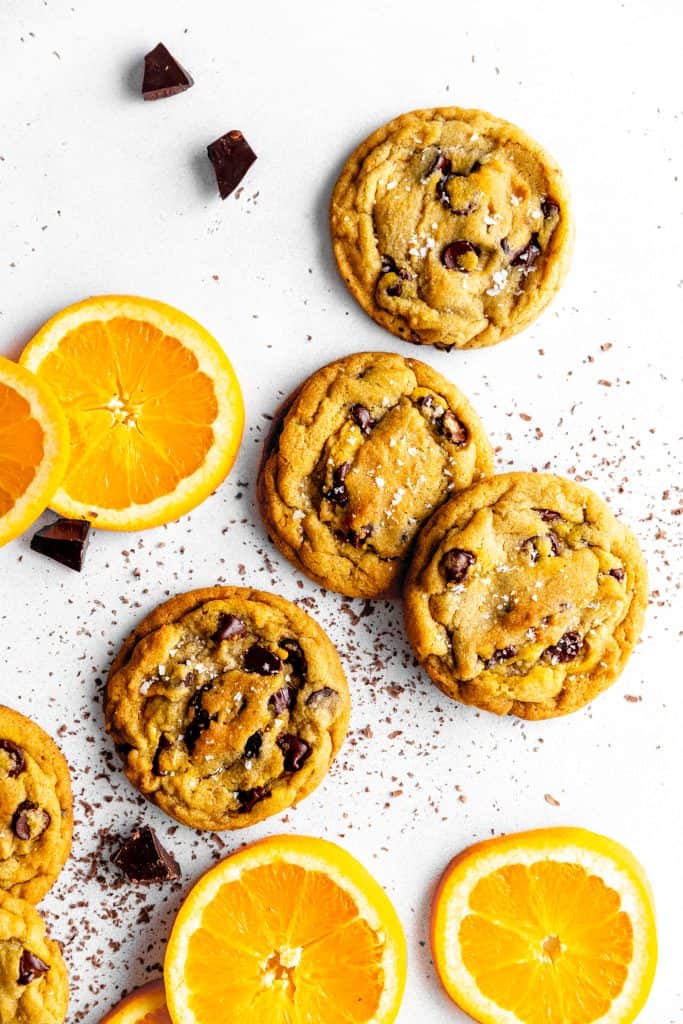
x=34, y=448
x=147, y=1005
x=289, y=930
x=555, y=925
x=154, y=407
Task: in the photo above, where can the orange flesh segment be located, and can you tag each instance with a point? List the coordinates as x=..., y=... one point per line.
x=21, y=447
x=139, y=408
x=560, y=944
x=293, y=949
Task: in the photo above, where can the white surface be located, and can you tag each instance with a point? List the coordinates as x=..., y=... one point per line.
x=100, y=192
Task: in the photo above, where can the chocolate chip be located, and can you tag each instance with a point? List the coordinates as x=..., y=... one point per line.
x=505, y=246
x=554, y=541
x=452, y=253
x=452, y=429
x=295, y=751
x=163, y=76
x=252, y=748
x=282, y=700
x=17, y=759
x=295, y=657
x=323, y=696
x=362, y=417
x=426, y=405
x=530, y=545
x=566, y=649
x=248, y=798
x=440, y=163
x=338, y=493
x=30, y=821
x=201, y=718
x=502, y=654
x=261, y=661
x=229, y=626
x=618, y=574
x=549, y=207
x=548, y=515
x=231, y=156
x=143, y=859
x=357, y=538
x=164, y=746
x=527, y=257
x=456, y=564
x=388, y=265
x=64, y=540
x=30, y=967
x=394, y=290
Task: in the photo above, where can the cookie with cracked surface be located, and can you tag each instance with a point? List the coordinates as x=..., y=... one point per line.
x=36, y=813
x=359, y=458
x=525, y=596
x=227, y=705
x=34, y=984
x=451, y=227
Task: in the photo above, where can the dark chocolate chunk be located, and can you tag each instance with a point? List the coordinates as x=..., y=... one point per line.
x=358, y=537
x=452, y=429
x=64, y=540
x=248, y=798
x=143, y=859
x=502, y=654
x=549, y=207
x=505, y=246
x=283, y=699
x=566, y=649
x=17, y=759
x=164, y=76
x=394, y=290
x=338, y=493
x=252, y=748
x=325, y=695
x=229, y=627
x=201, y=719
x=548, y=515
x=295, y=751
x=618, y=574
x=527, y=257
x=456, y=563
x=362, y=417
x=389, y=265
x=451, y=254
x=30, y=967
x=164, y=745
x=295, y=657
x=261, y=661
x=30, y=821
x=231, y=156
x=440, y=163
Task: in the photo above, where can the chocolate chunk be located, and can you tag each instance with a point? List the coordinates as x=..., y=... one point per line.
x=618, y=574
x=325, y=695
x=530, y=545
x=295, y=751
x=440, y=163
x=231, y=156
x=64, y=540
x=30, y=967
x=143, y=859
x=362, y=417
x=566, y=649
x=252, y=748
x=394, y=290
x=452, y=253
x=548, y=515
x=505, y=246
x=426, y=405
x=30, y=821
x=248, y=798
x=358, y=537
x=229, y=627
x=549, y=207
x=338, y=493
x=17, y=759
x=456, y=564
x=163, y=76
x=452, y=429
x=164, y=746
x=261, y=661
x=389, y=265
x=283, y=699
x=295, y=657
x=527, y=257
x=502, y=654
x=201, y=719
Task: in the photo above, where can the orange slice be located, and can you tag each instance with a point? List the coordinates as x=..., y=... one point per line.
x=154, y=407
x=555, y=925
x=289, y=930
x=145, y=1006
x=34, y=448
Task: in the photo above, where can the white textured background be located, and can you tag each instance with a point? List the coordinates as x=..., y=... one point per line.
x=100, y=192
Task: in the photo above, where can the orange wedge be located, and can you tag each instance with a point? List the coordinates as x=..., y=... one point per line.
x=554, y=926
x=145, y=1006
x=34, y=448
x=154, y=407
x=289, y=930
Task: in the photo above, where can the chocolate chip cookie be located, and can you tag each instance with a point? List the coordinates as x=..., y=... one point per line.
x=358, y=459
x=227, y=705
x=525, y=596
x=34, y=985
x=451, y=227
x=36, y=816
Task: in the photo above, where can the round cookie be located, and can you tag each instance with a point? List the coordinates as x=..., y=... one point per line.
x=36, y=814
x=451, y=227
x=359, y=458
x=34, y=984
x=525, y=596
x=227, y=705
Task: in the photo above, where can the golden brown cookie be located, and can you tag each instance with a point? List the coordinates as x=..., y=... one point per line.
x=36, y=815
x=451, y=227
x=227, y=705
x=362, y=455
x=525, y=596
x=34, y=984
